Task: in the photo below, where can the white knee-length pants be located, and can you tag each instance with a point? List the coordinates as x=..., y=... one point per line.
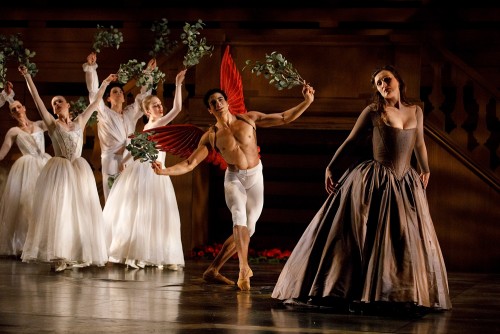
x=244, y=193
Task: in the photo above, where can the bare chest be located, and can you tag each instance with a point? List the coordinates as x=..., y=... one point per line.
x=234, y=138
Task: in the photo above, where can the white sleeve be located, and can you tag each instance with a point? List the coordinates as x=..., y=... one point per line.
x=92, y=81
x=4, y=97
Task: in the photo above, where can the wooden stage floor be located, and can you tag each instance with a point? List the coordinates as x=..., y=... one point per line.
x=115, y=299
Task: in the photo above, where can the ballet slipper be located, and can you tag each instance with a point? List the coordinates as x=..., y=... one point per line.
x=61, y=266
x=244, y=283
x=80, y=265
x=131, y=263
x=213, y=277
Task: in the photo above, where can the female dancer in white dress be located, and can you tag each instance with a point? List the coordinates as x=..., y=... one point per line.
x=141, y=212
x=17, y=196
x=6, y=95
x=67, y=226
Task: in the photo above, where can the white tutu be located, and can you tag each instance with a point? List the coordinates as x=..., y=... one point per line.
x=67, y=222
x=17, y=195
x=142, y=218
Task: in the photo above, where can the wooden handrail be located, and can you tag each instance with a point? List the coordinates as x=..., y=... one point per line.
x=470, y=72
x=448, y=144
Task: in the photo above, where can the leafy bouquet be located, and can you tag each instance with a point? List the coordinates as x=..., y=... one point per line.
x=196, y=49
x=3, y=69
x=105, y=38
x=135, y=70
x=142, y=148
x=278, y=70
x=13, y=47
x=162, y=44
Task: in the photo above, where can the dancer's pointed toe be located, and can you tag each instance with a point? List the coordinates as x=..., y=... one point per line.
x=244, y=280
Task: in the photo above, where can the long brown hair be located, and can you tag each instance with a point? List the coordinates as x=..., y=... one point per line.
x=378, y=99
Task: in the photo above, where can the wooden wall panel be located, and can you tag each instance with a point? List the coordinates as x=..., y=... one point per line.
x=337, y=62
x=466, y=214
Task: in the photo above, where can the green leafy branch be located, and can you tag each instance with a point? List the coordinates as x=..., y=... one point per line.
x=79, y=106
x=277, y=70
x=105, y=38
x=196, y=49
x=3, y=69
x=112, y=179
x=162, y=43
x=13, y=47
x=142, y=148
x=135, y=70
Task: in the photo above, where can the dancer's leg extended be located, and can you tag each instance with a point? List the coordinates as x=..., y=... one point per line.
x=212, y=273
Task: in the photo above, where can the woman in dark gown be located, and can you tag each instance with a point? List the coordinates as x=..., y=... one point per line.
x=373, y=242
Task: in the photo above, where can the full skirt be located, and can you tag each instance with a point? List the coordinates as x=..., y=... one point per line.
x=142, y=218
x=67, y=222
x=17, y=201
x=373, y=241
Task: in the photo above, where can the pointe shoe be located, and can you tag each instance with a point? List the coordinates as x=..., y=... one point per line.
x=244, y=283
x=131, y=263
x=141, y=264
x=172, y=267
x=113, y=259
x=81, y=265
x=61, y=266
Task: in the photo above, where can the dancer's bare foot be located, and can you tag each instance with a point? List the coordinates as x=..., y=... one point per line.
x=244, y=279
x=210, y=275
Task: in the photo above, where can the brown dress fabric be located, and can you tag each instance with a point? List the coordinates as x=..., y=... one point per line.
x=374, y=240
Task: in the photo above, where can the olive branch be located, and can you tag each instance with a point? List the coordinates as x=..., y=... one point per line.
x=196, y=49
x=279, y=71
x=106, y=38
x=3, y=69
x=142, y=147
x=13, y=47
x=135, y=70
x=162, y=44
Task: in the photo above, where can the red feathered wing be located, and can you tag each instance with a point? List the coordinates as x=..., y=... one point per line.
x=178, y=139
x=182, y=139
x=231, y=83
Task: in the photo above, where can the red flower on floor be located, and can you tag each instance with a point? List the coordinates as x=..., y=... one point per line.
x=274, y=255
